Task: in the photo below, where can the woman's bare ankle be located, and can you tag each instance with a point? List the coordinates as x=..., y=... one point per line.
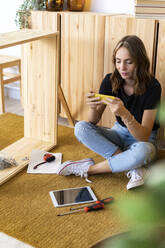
x=99, y=168
x=117, y=152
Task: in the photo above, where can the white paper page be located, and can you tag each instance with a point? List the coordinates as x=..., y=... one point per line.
x=47, y=168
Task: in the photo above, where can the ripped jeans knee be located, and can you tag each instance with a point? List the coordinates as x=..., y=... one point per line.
x=138, y=154
x=145, y=152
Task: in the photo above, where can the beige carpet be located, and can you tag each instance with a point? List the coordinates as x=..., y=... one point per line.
x=27, y=212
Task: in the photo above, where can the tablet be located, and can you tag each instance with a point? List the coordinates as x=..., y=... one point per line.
x=72, y=196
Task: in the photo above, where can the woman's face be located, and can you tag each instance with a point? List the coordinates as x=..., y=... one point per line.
x=125, y=64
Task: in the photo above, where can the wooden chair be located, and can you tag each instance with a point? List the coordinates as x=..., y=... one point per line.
x=7, y=77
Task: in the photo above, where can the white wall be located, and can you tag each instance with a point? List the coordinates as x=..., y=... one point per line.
x=8, y=10
x=7, y=14
x=113, y=6
x=7, y=24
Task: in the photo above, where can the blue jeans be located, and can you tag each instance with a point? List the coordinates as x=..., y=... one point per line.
x=106, y=141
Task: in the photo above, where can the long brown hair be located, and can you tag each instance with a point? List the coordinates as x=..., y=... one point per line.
x=138, y=53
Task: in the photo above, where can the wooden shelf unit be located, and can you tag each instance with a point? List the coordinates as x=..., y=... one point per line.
x=40, y=78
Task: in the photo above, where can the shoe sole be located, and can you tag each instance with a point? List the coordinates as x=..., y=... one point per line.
x=68, y=163
x=134, y=185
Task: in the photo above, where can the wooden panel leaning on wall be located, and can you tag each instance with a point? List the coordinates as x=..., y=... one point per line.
x=87, y=43
x=82, y=57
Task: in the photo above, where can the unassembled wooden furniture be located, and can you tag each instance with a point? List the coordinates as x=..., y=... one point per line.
x=7, y=77
x=40, y=77
x=47, y=20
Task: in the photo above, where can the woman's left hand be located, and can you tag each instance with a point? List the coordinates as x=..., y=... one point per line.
x=116, y=106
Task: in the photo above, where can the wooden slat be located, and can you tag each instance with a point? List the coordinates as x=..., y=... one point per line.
x=12, y=79
x=22, y=36
x=40, y=77
x=10, y=64
x=65, y=105
x=19, y=150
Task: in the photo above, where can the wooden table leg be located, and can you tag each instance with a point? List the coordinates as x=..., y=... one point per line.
x=65, y=105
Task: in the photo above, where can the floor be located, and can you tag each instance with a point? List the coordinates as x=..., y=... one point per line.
x=14, y=106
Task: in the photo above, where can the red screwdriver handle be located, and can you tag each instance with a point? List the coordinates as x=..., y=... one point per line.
x=106, y=200
x=94, y=207
x=48, y=156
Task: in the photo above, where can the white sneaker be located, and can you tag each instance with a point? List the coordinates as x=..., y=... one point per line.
x=78, y=168
x=136, y=178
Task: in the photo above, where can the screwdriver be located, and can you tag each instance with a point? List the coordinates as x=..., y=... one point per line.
x=94, y=207
x=104, y=201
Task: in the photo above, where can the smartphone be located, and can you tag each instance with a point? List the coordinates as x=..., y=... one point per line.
x=103, y=97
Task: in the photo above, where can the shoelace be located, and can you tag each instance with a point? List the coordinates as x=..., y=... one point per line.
x=76, y=170
x=81, y=173
x=134, y=175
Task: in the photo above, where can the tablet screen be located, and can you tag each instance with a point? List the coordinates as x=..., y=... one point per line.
x=71, y=196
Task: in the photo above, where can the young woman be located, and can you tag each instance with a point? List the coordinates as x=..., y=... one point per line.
x=131, y=142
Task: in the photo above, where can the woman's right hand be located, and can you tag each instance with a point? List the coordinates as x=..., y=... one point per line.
x=96, y=108
x=92, y=101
